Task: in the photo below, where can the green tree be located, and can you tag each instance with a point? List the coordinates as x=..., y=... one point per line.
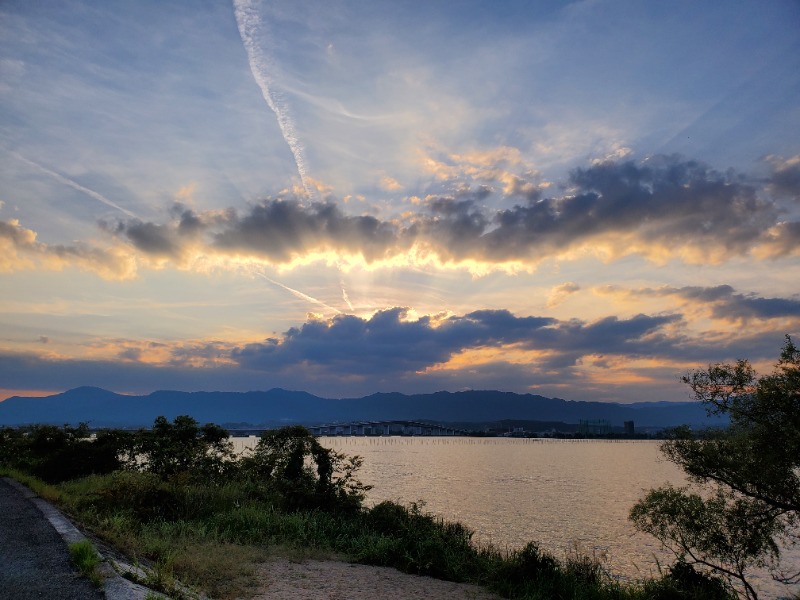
x=60, y=453
x=305, y=474
x=746, y=503
x=184, y=447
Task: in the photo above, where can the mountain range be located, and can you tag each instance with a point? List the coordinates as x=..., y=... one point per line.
x=103, y=408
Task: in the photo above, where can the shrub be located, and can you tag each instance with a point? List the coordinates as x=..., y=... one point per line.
x=57, y=454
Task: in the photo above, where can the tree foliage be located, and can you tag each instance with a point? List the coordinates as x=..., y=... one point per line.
x=57, y=454
x=748, y=475
x=307, y=475
x=183, y=447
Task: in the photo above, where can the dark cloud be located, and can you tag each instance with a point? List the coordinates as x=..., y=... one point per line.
x=27, y=371
x=453, y=227
x=725, y=303
x=204, y=354
x=134, y=354
x=785, y=179
x=664, y=206
x=388, y=345
x=283, y=229
x=158, y=240
x=663, y=201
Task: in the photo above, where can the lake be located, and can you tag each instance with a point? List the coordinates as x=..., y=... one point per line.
x=560, y=493
x=564, y=494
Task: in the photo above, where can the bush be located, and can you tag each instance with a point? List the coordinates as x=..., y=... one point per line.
x=143, y=495
x=57, y=454
x=684, y=582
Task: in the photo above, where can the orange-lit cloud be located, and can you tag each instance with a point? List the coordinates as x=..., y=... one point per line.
x=20, y=250
x=390, y=184
x=561, y=292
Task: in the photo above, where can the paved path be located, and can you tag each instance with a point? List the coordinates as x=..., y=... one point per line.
x=34, y=559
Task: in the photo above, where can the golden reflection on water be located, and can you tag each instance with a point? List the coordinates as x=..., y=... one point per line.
x=559, y=493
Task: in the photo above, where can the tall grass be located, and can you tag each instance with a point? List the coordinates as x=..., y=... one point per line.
x=212, y=537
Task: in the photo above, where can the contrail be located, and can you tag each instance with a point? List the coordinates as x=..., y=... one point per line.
x=298, y=293
x=75, y=185
x=346, y=297
x=249, y=24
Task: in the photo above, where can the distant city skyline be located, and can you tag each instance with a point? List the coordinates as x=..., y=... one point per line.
x=580, y=199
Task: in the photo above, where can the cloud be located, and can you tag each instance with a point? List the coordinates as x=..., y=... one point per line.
x=20, y=250
x=561, y=292
x=725, y=303
x=390, y=184
x=276, y=231
x=780, y=240
x=388, y=344
x=502, y=167
x=785, y=178
x=660, y=208
x=20, y=370
x=663, y=208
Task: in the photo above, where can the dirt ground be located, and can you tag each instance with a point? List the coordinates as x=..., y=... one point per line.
x=331, y=580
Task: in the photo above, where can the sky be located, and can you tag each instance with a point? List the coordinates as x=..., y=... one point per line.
x=583, y=200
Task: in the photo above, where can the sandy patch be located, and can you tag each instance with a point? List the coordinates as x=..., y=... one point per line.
x=331, y=580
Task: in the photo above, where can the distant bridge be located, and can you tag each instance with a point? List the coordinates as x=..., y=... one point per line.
x=386, y=428
x=371, y=428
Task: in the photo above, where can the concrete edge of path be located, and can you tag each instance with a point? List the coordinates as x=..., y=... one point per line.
x=115, y=586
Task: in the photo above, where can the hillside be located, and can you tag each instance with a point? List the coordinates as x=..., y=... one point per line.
x=102, y=408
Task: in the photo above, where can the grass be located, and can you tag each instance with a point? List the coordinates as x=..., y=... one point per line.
x=214, y=538
x=86, y=558
x=44, y=490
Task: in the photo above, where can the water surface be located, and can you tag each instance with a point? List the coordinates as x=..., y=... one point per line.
x=563, y=494
x=560, y=493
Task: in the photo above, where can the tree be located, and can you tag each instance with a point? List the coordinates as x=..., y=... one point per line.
x=184, y=447
x=305, y=474
x=746, y=505
x=60, y=453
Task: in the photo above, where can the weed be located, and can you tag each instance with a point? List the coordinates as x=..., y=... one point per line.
x=86, y=558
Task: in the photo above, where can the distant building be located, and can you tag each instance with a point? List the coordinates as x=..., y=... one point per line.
x=597, y=427
x=628, y=427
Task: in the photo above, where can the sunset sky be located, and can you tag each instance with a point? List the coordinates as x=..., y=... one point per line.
x=575, y=199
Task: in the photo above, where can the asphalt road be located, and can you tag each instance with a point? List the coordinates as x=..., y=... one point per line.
x=34, y=559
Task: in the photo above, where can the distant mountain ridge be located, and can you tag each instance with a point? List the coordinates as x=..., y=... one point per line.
x=103, y=408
